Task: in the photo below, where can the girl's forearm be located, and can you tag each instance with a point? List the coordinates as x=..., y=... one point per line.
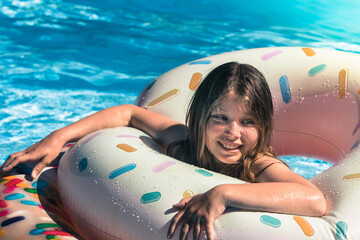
x=107, y=118
x=280, y=197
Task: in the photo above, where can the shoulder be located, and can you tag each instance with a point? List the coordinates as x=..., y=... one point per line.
x=270, y=169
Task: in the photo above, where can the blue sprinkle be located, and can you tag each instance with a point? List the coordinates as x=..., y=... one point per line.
x=341, y=230
x=14, y=196
x=150, y=197
x=204, y=173
x=122, y=170
x=83, y=164
x=40, y=184
x=200, y=62
x=270, y=221
x=12, y=220
x=37, y=231
x=150, y=85
x=316, y=70
x=28, y=202
x=285, y=88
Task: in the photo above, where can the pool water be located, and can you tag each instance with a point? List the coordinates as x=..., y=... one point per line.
x=63, y=60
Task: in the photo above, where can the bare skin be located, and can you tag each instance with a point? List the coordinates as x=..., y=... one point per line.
x=278, y=188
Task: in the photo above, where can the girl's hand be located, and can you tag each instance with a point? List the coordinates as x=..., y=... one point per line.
x=44, y=152
x=197, y=213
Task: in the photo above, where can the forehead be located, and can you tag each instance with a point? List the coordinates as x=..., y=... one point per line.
x=232, y=105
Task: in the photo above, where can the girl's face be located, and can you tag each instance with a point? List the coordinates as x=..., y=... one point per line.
x=230, y=132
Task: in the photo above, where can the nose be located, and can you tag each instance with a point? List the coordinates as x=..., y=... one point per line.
x=234, y=129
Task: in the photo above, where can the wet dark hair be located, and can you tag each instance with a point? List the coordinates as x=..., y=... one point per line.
x=231, y=81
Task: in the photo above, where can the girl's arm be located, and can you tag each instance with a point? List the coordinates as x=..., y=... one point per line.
x=278, y=190
x=163, y=129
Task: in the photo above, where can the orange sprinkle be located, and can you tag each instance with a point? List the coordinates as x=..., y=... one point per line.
x=343, y=78
x=304, y=225
x=309, y=52
x=195, y=81
x=22, y=185
x=164, y=97
x=126, y=147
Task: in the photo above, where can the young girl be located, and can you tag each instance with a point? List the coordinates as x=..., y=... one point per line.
x=229, y=127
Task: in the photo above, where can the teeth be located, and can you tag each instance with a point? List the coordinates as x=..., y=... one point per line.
x=231, y=147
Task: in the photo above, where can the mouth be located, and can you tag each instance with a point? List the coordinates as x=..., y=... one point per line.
x=230, y=146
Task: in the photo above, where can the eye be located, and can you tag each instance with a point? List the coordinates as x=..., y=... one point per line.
x=219, y=118
x=248, y=122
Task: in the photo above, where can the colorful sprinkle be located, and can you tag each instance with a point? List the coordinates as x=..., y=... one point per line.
x=341, y=230
x=14, y=196
x=13, y=182
x=343, y=79
x=126, y=147
x=204, y=172
x=3, y=204
x=2, y=232
x=30, y=190
x=150, y=197
x=36, y=231
x=270, y=55
x=355, y=145
x=285, y=89
x=60, y=233
x=188, y=194
x=309, y=52
x=200, y=62
x=91, y=137
x=40, y=184
x=12, y=220
x=127, y=136
x=122, y=170
x=4, y=213
x=9, y=177
x=270, y=221
x=83, y=164
x=30, y=203
x=9, y=189
x=22, y=185
x=150, y=85
x=195, y=81
x=163, y=166
x=46, y=225
x=164, y=98
x=352, y=177
x=316, y=70
x=304, y=225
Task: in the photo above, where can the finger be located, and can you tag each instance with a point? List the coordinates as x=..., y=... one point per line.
x=182, y=203
x=209, y=231
x=10, y=159
x=174, y=223
x=196, y=230
x=185, y=229
x=40, y=166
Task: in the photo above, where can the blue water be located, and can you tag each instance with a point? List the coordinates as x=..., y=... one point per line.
x=62, y=60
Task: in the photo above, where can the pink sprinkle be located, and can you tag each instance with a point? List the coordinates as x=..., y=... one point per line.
x=163, y=166
x=4, y=213
x=270, y=55
x=91, y=137
x=60, y=233
x=13, y=182
x=9, y=189
x=127, y=136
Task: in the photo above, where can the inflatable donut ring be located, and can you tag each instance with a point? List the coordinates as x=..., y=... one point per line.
x=118, y=184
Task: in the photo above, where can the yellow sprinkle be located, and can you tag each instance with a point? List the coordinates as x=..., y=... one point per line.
x=343, y=78
x=195, y=81
x=22, y=185
x=126, y=147
x=188, y=194
x=2, y=232
x=351, y=177
x=309, y=52
x=164, y=97
x=9, y=177
x=304, y=225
